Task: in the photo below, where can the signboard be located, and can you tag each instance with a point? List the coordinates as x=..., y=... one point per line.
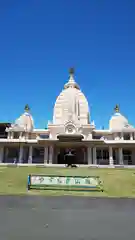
x=79, y=183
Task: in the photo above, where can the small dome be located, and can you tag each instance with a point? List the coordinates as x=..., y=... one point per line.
x=117, y=121
x=25, y=121
x=71, y=104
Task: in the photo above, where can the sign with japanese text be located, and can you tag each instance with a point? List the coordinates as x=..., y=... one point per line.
x=64, y=182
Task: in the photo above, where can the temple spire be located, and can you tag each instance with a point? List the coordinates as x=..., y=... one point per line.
x=71, y=74
x=117, y=109
x=71, y=82
x=26, y=108
x=71, y=71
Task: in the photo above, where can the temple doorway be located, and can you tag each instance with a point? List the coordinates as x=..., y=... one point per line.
x=66, y=157
x=71, y=156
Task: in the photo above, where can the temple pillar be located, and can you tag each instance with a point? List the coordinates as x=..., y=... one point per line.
x=1, y=154
x=45, y=154
x=51, y=150
x=111, y=156
x=120, y=156
x=21, y=154
x=20, y=135
x=131, y=136
x=94, y=156
x=122, y=136
x=12, y=135
x=8, y=135
x=30, y=154
x=89, y=154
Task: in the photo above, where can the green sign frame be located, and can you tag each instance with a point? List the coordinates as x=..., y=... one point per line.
x=66, y=183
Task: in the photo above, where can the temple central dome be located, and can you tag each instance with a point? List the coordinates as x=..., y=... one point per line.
x=71, y=104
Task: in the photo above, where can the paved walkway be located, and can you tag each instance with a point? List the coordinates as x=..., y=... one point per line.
x=64, y=218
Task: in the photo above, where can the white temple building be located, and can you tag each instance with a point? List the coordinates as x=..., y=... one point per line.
x=70, y=131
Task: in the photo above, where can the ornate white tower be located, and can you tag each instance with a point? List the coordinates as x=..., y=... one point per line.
x=71, y=104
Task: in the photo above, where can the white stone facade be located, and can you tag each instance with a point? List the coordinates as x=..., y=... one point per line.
x=70, y=130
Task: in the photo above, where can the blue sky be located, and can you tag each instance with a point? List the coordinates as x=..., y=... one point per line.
x=41, y=39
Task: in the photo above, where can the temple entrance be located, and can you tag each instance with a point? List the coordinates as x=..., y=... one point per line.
x=66, y=157
x=72, y=156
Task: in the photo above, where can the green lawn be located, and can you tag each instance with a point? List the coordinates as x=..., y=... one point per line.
x=117, y=182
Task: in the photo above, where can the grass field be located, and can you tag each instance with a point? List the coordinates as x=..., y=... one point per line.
x=117, y=182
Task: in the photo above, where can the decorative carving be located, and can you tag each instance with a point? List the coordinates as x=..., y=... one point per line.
x=80, y=129
x=127, y=126
x=70, y=127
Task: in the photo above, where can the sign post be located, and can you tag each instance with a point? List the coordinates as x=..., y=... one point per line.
x=71, y=183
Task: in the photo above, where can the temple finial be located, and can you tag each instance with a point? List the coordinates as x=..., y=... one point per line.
x=27, y=108
x=71, y=81
x=117, y=109
x=71, y=71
